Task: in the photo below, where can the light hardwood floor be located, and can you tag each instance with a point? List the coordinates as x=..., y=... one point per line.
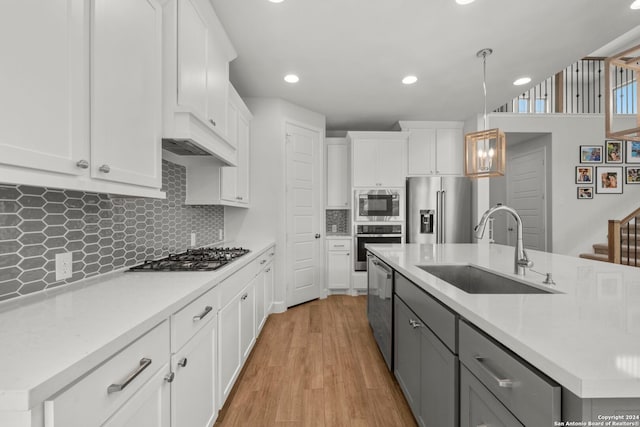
x=317, y=364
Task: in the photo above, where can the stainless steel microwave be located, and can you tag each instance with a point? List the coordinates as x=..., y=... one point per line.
x=379, y=205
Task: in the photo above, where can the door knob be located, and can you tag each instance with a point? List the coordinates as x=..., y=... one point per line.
x=317, y=235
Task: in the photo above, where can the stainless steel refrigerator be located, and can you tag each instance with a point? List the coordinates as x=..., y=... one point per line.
x=438, y=209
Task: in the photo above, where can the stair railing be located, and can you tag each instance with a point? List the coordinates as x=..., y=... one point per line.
x=618, y=243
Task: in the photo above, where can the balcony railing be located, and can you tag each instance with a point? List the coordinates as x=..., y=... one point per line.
x=578, y=89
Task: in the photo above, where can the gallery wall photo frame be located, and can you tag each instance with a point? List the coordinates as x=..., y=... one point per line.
x=632, y=175
x=585, y=193
x=633, y=152
x=613, y=151
x=608, y=179
x=584, y=174
x=591, y=154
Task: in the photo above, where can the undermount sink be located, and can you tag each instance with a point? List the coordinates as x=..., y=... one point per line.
x=474, y=280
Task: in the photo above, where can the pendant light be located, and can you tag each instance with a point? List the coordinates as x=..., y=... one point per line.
x=484, y=151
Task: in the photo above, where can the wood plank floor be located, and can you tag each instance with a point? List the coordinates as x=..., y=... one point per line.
x=317, y=364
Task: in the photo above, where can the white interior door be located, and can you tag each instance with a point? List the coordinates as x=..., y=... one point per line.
x=304, y=191
x=526, y=183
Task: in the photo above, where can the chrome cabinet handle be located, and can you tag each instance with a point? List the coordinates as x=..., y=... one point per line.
x=212, y=122
x=268, y=270
x=502, y=382
x=202, y=315
x=272, y=254
x=144, y=364
x=82, y=164
x=170, y=377
x=339, y=246
x=263, y=261
x=244, y=297
x=104, y=169
x=317, y=236
x=182, y=362
x=414, y=324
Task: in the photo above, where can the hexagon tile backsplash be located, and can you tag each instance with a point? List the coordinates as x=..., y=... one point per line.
x=103, y=232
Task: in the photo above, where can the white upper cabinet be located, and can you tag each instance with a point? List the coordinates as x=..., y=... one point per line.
x=435, y=148
x=379, y=159
x=92, y=53
x=338, y=183
x=197, y=53
x=126, y=91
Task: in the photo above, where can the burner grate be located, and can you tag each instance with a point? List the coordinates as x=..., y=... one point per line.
x=200, y=259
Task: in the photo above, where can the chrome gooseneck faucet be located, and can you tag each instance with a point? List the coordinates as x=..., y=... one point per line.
x=521, y=261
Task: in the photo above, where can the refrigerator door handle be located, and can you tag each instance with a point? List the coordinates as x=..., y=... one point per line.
x=442, y=216
x=438, y=216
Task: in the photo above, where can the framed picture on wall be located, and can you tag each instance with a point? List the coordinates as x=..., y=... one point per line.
x=633, y=152
x=613, y=151
x=585, y=193
x=608, y=180
x=591, y=154
x=632, y=175
x=584, y=174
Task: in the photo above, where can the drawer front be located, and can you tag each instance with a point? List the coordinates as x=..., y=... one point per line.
x=191, y=318
x=478, y=407
x=339, y=244
x=531, y=397
x=99, y=394
x=433, y=314
x=232, y=285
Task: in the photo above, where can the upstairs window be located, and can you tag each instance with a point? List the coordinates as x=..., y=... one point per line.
x=626, y=97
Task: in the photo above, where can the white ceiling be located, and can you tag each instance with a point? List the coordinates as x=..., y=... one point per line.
x=352, y=54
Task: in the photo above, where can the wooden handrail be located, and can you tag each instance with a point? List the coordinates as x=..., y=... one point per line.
x=614, y=239
x=629, y=217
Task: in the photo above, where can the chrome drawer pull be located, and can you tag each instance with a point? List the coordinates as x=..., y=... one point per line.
x=263, y=261
x=104, y=169
x=244, y=297
x=268, y=270
x=200, y=316
x=182, y=362
x=144, y=364
x=170, y=377
x=414, y=324
x=502, y=382
x=82, y=164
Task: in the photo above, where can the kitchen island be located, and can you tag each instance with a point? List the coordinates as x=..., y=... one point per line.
x=584, y=335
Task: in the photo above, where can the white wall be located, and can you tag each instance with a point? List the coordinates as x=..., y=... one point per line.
x=265, y=220
x=577, y=224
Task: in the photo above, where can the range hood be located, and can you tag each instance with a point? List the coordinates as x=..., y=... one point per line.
x=183, y=147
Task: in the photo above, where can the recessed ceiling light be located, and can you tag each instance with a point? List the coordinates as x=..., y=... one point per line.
x=522, y=81
x=409, y=80
x=635, y=4
x=464, y=1
x=276, y=1
x=291, y=78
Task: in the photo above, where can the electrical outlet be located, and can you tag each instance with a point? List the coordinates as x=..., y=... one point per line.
x=64, y=262
x=193, y=240
x=220, y=234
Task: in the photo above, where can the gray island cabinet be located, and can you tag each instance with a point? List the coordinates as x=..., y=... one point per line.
x=453, y=372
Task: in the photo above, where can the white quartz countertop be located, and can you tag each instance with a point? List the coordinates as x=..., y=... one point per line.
x=48, y=342
x=586, y=338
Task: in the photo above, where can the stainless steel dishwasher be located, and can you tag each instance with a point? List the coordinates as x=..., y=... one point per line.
x=380, y=304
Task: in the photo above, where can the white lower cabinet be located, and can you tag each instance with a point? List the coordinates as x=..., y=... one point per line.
x=229, y=346
x=127, y=387
x=247, y=318
x=338, y=264
x=193, y=390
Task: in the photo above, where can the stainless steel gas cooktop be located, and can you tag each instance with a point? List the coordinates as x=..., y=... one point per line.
x=201, y=259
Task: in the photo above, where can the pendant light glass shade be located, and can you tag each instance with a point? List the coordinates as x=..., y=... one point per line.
x=621, y=92
x=484, y=153
x=485, y=150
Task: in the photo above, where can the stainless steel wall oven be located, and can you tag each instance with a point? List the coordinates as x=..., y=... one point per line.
x=382, y=233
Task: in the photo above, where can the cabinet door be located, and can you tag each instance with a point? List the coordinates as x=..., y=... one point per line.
x=217, y=84
x=44, y=106
x=338, y=269
x=193, y=396
x=364, y=160
x=259, y=295
x=126, y=91
x=407, y=354
x=247, y=319
x=337, y=176
x=421, y=150
x=149, y=407
x=449, y=151
x=479, y=407
x=268, y=288
x=193, y=39
x=438, y=381
x=242, y=170
x=228, y=346
x=390, y=165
